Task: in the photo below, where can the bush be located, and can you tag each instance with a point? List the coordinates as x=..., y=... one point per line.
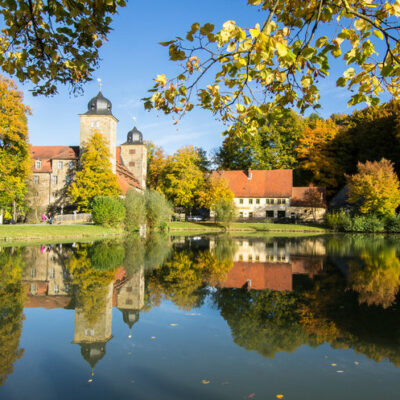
x=135, y=210
x=392, y=223
x=361, y=223
x=225, y=212
x=108, y=211
x=337, y=221
x=158, y=210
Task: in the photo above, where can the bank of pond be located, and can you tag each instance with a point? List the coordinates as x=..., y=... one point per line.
x=161, y=315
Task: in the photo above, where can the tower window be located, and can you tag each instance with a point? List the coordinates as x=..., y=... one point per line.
x=131, y=164
x=36, y=180
x=132, y=151
x=60, y=165
x=54, y=180
x=94, y=124
x=38, y=164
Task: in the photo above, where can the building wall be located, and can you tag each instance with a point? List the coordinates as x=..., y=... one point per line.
x=134, y=157
x=131, y=294
x=104, y=124
x=258, y=207
x=51, y=186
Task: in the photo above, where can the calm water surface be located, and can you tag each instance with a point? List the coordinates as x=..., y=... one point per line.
x=202, y=318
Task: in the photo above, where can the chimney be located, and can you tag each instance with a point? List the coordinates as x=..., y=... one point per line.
x=249, y=174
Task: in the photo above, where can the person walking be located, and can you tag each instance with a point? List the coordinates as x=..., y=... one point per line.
x=50, y=218
x=44, y=218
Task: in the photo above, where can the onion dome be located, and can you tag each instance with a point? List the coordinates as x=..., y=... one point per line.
x=99, y=105
x=134, y=137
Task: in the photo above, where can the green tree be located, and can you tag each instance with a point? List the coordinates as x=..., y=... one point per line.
x=225, y=212
x=50, y=42
x=375, y=188
x=158, y=210
x=135, y=206
x=273, y=147
x=278, y=63
x=182, y=177
x=94, y=176
x=15, y=163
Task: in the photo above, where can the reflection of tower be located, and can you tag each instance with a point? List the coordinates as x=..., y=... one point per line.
x=92, y=332
x=130, y=298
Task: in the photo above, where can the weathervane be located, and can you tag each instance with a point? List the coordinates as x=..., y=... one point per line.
x=100, y=84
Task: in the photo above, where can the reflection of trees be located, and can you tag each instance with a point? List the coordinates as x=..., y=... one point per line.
x=378, y=280
x=12, y=298
x=91, y=282
x=373, y=266
x=324, y=311
x=183, y=278
x=264, y=321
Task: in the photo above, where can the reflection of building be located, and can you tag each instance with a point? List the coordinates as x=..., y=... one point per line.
x=264, y=194
x=47, y=287
x=92, y=332
x=46, y=278
x=260, y=264
x=130, y=298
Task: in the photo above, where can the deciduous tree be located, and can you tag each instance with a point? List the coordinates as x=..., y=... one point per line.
x=256, y=72
x=54, y=41
x=214, y=189
x=15, y=164
x=95, y=176
x=375, y=188
x=182, y=177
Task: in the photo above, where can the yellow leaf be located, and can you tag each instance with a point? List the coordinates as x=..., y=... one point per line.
x=280, y=396
x=205, y=382
x=282, y=49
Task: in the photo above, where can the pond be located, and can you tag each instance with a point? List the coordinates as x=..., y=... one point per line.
x=206, y=317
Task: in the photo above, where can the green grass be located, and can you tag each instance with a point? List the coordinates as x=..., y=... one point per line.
x=49, y=233
x=244, y=227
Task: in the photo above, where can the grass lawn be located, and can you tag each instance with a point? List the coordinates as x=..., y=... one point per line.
x=48, y=233
x=244, y=227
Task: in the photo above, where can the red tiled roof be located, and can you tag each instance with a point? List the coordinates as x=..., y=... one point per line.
x=54, y=152
x=303, y=196
x=263, y=183
x=48, y=302
x=126, y=179
x=273, y=276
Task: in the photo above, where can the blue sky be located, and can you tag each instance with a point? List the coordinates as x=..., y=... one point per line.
x=130, y=61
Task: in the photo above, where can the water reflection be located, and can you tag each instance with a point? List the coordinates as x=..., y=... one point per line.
x=276, y=294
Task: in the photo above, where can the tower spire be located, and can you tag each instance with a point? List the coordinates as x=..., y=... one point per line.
x=100, y=83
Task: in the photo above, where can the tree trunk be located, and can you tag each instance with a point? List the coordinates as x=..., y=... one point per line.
x=1, y=217
x=14, y=211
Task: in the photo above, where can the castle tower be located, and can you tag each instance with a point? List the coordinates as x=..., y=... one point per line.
x=134, y=156
x=99, y=118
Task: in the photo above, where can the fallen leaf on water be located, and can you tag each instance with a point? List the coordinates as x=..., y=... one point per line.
x=333, y=365
x=173, y=324
x=153, y=337
x=280, y=396
x=90, y=380
x=205, y=382
x=251, y=395
x=356, y=363
x=340, y=371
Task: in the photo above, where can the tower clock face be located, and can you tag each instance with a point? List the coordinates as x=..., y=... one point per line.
x=136, y=137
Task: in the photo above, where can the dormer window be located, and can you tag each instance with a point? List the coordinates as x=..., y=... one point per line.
x=38, y=164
